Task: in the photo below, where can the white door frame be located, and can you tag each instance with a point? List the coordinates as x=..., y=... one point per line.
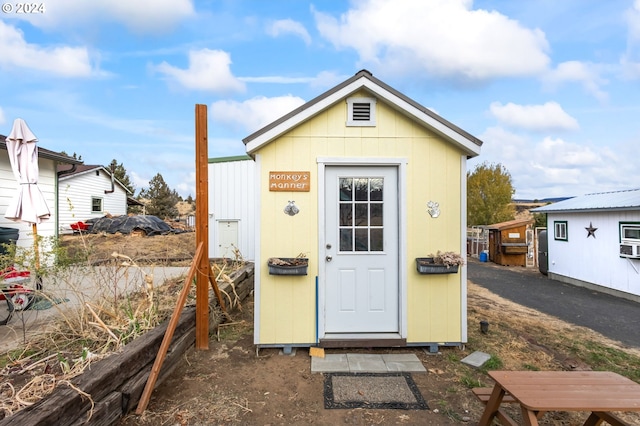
x=401, y=164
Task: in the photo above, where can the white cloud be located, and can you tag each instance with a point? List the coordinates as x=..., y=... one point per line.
x=140, y=16
x=553, y=167
x=500, y=146
x=583, y=73
x=324, y=79
x=288, y=26
x=561, y=154
x=3, y=119
x=208, y=70
x=445, y=38
x=540, y=118
x=255, y=113
x=63, y=61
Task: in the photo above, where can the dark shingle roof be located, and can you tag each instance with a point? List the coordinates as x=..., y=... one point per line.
x=45, y=153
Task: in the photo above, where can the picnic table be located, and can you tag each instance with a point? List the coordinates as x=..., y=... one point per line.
x=597, y=392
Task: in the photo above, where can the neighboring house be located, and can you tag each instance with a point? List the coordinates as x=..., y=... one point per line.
x=232, y=213
x=362, y=180
x=594, y=241
x=89, y=192
x=48, y=161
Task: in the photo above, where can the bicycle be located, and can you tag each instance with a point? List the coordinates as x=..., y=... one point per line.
x=17, y=297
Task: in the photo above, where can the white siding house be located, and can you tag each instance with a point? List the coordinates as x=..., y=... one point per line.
x=232, y=206
x=594, y=241
x=89, y=192
x=47, y=162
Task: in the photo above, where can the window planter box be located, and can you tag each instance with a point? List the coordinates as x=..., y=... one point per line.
x=515, y=248
x=288, y=266
x=426, y=265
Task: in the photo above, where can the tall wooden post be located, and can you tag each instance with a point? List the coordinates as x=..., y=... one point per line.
x=202, y=229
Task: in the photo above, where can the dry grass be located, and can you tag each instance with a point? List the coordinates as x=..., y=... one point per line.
x=520, y=338
x=100, y=323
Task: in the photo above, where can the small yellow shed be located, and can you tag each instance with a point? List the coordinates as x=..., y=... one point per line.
x=361, y=181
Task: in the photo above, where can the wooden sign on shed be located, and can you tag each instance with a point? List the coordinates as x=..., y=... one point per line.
x=290, y=181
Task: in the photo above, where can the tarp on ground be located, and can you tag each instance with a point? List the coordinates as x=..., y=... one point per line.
x=150, y=225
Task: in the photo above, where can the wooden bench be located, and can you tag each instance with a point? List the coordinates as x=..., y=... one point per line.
x=483, y=395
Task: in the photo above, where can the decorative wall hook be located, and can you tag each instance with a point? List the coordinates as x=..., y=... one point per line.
x=291, y=209
x=433, y=208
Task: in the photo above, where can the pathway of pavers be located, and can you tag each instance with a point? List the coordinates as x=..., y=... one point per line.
x=367, y=363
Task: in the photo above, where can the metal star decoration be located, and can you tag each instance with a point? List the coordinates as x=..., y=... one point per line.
x=591, y=231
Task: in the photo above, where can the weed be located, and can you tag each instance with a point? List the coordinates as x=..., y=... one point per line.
x=493, y=363
x=470, y=382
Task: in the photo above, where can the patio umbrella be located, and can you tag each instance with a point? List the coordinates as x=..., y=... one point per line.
x=29, y=204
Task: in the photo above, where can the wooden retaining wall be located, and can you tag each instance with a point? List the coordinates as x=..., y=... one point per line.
x=115, y=383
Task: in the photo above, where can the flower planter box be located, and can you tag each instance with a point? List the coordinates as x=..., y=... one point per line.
x=426, y=265
x=288, y=266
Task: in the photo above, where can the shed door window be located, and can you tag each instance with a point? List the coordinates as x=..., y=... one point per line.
x=560, y=230
x=96, y=205
x=361, y=224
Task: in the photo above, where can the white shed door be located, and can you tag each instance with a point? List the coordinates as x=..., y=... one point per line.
x=361, y=252
x=227, y=237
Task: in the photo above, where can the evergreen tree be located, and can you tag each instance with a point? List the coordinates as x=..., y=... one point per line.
x=120, y=173
x=74, y=156
x=489, y=193
x=162, y=200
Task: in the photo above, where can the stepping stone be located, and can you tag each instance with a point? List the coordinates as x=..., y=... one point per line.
x=476, y=359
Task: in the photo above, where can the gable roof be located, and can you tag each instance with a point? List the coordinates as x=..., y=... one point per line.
x=615, y=200
x=365, y=80
x=45, y=153
x=79, y=170
x=86, y=168
x=509, y=224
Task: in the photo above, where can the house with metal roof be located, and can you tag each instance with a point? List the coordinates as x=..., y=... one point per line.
x=354, y=189
x=594, y=241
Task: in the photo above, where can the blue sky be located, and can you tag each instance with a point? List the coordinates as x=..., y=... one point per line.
x=551, y=87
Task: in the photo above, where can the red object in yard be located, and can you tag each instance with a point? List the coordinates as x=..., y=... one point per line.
x=13, y=279
x=79, y=226
x=12, y=272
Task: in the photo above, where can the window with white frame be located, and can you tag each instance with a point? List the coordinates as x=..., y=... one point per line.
x=630, y=232
x=560, y=230
x=96, y=205
x=361, y=112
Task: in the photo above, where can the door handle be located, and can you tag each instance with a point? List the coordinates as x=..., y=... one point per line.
x=329, y=258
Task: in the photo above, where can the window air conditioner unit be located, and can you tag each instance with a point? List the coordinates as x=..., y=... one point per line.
x=631, y=251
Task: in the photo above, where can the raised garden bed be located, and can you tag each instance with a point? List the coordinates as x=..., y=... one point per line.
x=112, y=387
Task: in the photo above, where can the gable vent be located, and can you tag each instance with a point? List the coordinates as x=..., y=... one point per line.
x=361, y=112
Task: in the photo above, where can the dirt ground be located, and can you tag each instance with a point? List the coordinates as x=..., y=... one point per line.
x=232, y=383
